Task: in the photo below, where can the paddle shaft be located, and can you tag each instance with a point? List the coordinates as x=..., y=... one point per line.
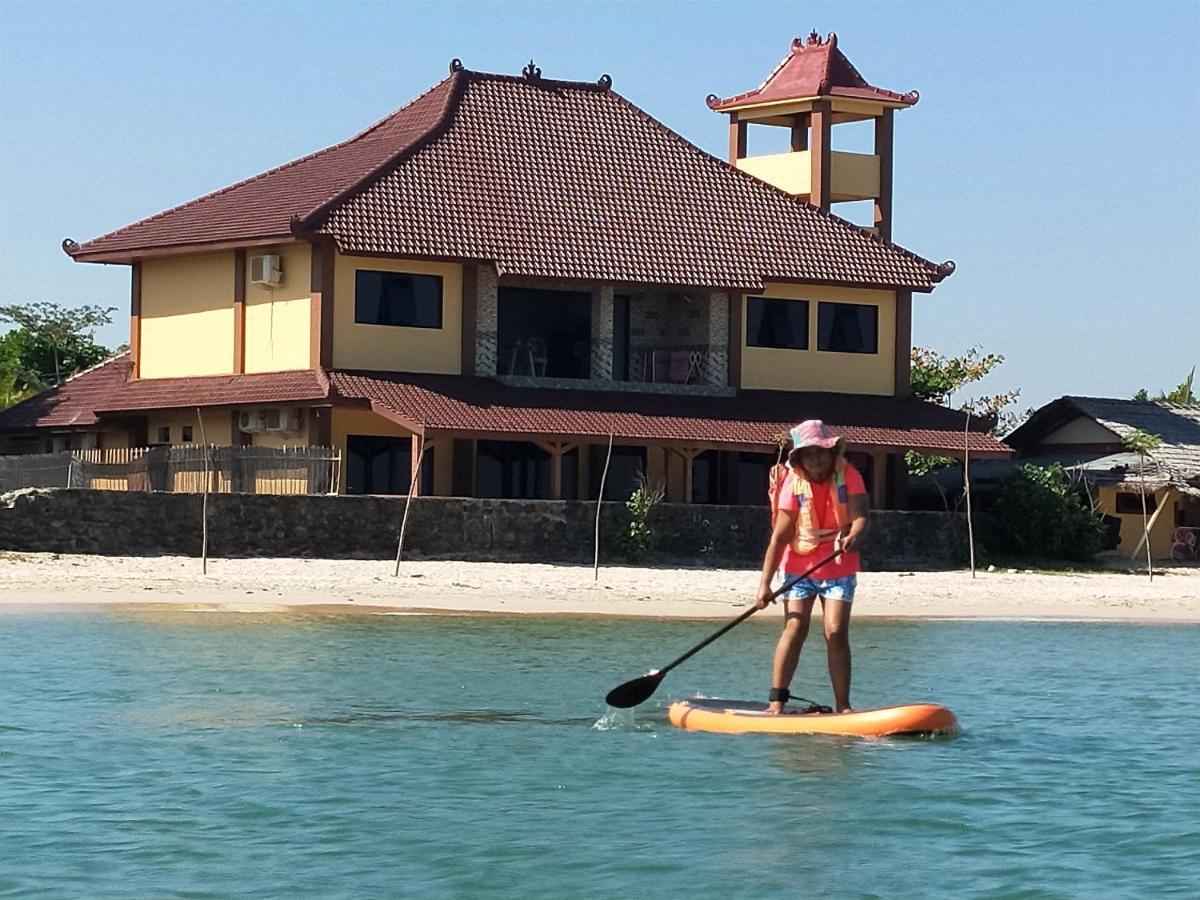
x=787, y=586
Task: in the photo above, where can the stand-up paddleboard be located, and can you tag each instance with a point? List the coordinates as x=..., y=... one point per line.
x=745, y=716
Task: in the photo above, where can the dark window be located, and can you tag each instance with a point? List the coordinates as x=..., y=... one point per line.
x=865, y=463
x=383, y=465
x=847, y=328
x=397, y=298
x=544, y=333
x=707, y=477
x=1131, y=504
x=187, y=434
x=164, y=434
x=624, y=471
x=620, y=354
x=751, y=478
x=777, y=323
x=518, y=470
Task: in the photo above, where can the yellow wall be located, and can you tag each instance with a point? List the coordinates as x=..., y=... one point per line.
x=217, y=427
x=852, y=176
x=277, y=316
x=1132, y=524
x=813, y=370
x=391, y=347
x=187, y=316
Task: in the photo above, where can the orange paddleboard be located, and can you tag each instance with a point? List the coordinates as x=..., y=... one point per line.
x=744, y=717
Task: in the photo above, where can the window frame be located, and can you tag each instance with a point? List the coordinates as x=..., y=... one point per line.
x=874, y=308
x=383, y=275
x=805, y=314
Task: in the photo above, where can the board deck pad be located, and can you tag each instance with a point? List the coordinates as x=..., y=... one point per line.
x=748, y=716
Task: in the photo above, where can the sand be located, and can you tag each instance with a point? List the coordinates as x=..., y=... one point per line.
x=42, y=581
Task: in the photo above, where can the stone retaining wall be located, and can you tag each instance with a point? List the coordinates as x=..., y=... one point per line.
x=122, y=523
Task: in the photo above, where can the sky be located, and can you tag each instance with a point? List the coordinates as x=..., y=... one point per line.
x=1054, y=154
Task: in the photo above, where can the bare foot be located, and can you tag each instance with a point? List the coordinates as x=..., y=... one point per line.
x=774, y=708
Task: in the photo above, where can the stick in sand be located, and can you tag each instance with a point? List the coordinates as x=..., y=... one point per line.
x=599, y=500
x=407, y=503
x=967, y=488
x=204, y=500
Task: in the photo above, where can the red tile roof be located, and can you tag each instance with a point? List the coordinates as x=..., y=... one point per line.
x=812, y=68
x=73, y=403
x=749, y=420
x=452, y=403
x=543, y=178
x=106, y=389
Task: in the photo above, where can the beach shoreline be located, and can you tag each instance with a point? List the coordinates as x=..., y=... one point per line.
x=45, y=582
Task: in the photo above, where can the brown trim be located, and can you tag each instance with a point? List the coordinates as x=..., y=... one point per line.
x=320, y=320
x=902, y=387
x=879, y=479
x=239, y=311
x=470, y=303
x=821, y=156
x=135, y=320
x=132, y=255
x=737, y=323
x=737, y=139
x=883, y=149
x=800, y=125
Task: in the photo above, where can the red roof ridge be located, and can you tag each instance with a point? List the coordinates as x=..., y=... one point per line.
x=73, y=249
x=111, y=358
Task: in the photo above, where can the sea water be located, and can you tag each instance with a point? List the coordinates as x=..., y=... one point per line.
x=219, y=755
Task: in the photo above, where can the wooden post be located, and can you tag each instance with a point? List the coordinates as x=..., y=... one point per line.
x=556, y=449
x=689, y=454
x=737, y=139
x=204, y=498
x=967, y=489
x=883, y=149
x=822, y=156
x=418, y=456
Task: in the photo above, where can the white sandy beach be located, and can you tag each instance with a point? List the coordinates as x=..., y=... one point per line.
x=39, y=581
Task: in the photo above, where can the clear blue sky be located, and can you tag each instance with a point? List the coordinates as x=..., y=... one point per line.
x=1055, y=153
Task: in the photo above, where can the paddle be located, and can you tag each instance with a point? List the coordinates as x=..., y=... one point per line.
x=631, y=693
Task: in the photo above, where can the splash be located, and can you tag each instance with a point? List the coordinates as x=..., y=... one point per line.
x=621, y=720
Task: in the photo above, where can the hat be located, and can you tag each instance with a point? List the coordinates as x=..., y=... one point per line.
x=814, y=433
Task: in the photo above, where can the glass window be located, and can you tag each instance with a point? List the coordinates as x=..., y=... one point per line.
x=777, y=323
x=383, y=465
x=1131, y=504
x=397, y=298
x=187, y=434
x=546, y=334
x=164, y=434
x=847, y=328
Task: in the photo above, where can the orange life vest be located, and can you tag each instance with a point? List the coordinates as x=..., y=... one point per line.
x=808, y=535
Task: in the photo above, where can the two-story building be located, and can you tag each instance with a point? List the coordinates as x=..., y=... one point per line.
x=511, y=272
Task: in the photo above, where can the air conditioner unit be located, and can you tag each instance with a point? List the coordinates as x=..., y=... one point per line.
x=266, y=269
x=281, y=421
x=249, y=421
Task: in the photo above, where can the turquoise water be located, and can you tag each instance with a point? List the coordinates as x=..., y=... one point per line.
x=214, y=755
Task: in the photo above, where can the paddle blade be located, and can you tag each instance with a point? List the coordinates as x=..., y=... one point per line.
x=631, y=693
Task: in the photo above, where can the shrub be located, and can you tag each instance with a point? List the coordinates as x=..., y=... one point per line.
x=638, y=539
x=1038, y=514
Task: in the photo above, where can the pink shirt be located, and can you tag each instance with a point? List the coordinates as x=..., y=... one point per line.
x=823, y=517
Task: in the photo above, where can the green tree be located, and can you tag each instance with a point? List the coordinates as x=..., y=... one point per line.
x=1181, y=393
x=1143, y=444
x=936, y=378
x=1039, y=514
x=56, y=339
x=48, y=343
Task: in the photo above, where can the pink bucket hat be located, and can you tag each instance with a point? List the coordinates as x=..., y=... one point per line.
x=813, y=433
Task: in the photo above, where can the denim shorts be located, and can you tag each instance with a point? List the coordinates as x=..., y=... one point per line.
x=826, y=588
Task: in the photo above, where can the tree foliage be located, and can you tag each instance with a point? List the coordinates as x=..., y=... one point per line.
x=1184, y=392
x=1039, y=514
x=937, y=378
x=48, y=343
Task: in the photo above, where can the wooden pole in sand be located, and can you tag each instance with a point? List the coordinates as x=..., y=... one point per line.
x=967, y=488
x=412, y=486
x=599, y=501
x=204, y=499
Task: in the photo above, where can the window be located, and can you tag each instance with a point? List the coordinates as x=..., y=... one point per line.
x=383, y=465
x=397, y=298
x=777, y=323
x=187, y=434
x=624, y=471
x=545, y=334
x=847, y=328
x=164, y=435
x=1131, y=504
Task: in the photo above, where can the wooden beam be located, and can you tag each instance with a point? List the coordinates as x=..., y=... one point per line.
x=689, y=454
x=737, y=139
x=135, y=319
x=321, y=305
x=821, y=156
x=902, y=386
x=883, y=149
x=879, y=475
x=1166, y=501
x=239, y=311
x=800, y=126
x=556, y=449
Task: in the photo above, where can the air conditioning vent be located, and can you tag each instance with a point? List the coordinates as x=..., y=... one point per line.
x=270, y=420
x=266, y=269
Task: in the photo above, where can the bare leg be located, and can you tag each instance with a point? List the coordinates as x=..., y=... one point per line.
x=796, y=620
x=837, y=643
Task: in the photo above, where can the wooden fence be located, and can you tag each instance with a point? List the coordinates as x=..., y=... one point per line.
x=186, y=468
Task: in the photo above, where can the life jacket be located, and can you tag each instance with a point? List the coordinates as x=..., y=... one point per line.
x=808, y=535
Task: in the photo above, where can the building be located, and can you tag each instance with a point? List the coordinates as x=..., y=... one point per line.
x=1085, y=433
x=502, y=277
